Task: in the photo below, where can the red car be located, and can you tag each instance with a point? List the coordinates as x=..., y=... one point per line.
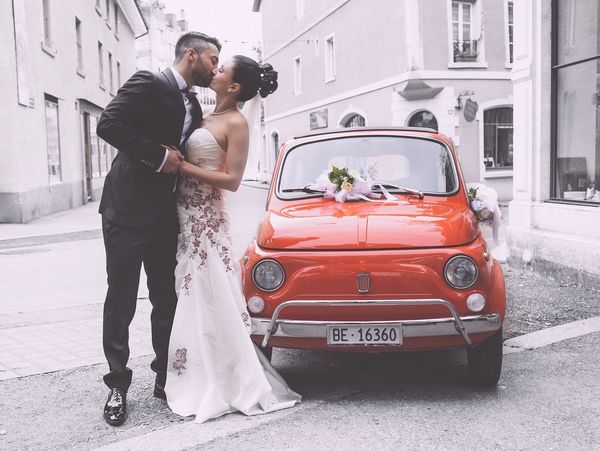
x=398, y=266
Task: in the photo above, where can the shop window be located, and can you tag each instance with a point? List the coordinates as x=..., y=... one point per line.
x=498, y=138
x=53, y=139
x=423, y=119
x=576, y=123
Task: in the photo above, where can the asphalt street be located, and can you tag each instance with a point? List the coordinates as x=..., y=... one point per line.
x=547, y=398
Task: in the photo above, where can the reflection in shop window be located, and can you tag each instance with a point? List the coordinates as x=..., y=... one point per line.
x=576, y=75
x=498, y=138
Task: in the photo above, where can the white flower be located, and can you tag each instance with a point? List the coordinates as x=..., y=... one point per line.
x=346, y=185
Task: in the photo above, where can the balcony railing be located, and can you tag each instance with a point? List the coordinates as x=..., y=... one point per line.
x=466, y=51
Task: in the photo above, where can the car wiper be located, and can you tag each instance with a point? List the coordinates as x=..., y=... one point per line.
x=403, y=188
x=306, y=189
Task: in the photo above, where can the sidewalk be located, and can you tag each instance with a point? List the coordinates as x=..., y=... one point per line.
x=77, y=223
x=74, y=224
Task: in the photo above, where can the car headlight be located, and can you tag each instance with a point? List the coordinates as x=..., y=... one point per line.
x=268, y=275
x=460, y=272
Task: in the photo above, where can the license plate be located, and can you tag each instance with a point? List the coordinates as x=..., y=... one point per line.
x=364, y=334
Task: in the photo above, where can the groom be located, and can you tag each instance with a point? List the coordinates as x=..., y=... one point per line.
x=139, y=222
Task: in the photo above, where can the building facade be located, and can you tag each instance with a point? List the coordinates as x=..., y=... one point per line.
x=555, y=214
x=65, y=61
x=444, y=64
x=156, y=49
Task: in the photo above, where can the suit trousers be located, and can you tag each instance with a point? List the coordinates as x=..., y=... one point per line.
x=127, y=248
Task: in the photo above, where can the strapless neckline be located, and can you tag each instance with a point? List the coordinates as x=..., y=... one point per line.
x=212, y=136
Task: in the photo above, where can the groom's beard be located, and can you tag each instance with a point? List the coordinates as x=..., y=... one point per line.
x=201, y=79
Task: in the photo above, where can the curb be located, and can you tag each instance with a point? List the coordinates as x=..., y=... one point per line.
x=36, y=240
x=545, y=337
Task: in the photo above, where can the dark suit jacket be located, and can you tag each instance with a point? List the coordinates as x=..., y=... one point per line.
x=146, y=112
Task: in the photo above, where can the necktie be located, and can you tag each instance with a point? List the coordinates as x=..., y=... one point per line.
x=196, y=112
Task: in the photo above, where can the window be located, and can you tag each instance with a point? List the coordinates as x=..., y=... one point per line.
x=53, y=139
x=275, y=141
x=116, y=17
x=498, y=138
x=317, y=48
x=509, y=31
x=47, y=24
x=465, y=48
x=329, y=59
x=79, y=45
x=300, y=8
x=111, y=81
x=297, y=75
x=108, y=12
x=575, y=99
x=101, y=64
x=118, y=74
x=99, y=6
x=423, y=119
x=353, y=120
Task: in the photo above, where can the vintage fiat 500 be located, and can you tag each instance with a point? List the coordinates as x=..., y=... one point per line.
x=401, y=266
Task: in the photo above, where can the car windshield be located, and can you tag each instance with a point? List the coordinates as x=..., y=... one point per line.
x=395, y=161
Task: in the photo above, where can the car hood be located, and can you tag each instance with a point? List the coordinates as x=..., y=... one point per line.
x=359, y=225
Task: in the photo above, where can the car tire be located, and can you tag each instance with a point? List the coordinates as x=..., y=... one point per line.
x=268, y=352
x=485, y=361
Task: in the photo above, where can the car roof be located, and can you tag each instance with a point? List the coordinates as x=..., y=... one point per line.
x=369, y=129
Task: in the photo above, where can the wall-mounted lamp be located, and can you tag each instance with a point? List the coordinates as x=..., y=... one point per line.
x=462, y=94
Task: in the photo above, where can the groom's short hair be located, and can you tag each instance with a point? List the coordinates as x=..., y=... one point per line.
x=194, y=40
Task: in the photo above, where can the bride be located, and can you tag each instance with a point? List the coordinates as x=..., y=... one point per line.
x=214, y=368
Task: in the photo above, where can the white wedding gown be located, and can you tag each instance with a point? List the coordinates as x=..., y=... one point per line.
x=214, y=368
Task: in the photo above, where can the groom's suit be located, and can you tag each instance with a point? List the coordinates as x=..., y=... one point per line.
x=139, y=218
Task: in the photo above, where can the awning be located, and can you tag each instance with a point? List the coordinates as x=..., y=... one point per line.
x=417, y=89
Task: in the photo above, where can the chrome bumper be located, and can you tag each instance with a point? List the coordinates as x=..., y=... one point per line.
x=454, y=325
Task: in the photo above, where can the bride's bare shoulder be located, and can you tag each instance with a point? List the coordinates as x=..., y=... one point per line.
x=238, y=121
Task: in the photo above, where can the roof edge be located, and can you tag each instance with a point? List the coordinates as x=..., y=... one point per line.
x=368, y=129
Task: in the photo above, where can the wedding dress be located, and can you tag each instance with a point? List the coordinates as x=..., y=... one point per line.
x=214, y=368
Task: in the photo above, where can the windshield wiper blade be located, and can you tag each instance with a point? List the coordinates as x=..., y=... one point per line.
x=306, y=189
x=403, y=188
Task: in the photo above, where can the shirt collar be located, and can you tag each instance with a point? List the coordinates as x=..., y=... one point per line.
x=180, y=80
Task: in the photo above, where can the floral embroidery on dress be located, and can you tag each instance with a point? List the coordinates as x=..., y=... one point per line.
x=180, y=360
x=207, y=226
x=186, y=283
x=246, y=319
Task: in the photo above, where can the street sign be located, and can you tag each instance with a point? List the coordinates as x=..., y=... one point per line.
x=470, y=110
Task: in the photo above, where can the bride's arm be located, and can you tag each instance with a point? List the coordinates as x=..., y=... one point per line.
x=235, y=161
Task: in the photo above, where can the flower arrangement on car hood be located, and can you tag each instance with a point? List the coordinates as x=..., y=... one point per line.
x=344, y=184
x=484, y=203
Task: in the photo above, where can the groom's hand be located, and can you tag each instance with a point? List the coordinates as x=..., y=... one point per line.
x=174, y=159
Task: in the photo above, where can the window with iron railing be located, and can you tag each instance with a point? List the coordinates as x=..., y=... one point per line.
x=465, y=45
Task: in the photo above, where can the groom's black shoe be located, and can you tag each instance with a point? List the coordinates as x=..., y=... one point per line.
x=115, y=409
x=159, y=392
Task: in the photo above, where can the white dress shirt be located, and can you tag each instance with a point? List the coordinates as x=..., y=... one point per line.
x=187, y=122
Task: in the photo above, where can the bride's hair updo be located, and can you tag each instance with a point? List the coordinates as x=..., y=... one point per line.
x=253, y=78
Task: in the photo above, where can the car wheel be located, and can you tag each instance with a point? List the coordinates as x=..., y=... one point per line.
x=485, y=361
x=268, y=352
